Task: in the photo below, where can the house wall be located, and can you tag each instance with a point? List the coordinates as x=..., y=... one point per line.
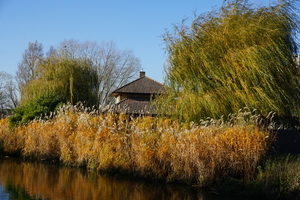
x=118, y=99
x=121, y=97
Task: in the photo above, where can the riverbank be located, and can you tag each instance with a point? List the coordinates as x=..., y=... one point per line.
x=277, y=178
x=203, y=155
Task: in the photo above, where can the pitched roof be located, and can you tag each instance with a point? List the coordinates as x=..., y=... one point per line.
x=133, y=106
x=142, y=85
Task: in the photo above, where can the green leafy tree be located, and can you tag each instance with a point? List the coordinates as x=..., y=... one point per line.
x=74, y=72
x=239, y=56
x=58, y=80
x=71, y=79
x=88, y=71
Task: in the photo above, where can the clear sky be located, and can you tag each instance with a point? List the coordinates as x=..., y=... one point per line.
x=132, y=24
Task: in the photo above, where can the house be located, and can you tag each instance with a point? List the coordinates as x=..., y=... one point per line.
x=134, y=98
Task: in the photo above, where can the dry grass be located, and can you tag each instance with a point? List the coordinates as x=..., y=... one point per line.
x=151, y=147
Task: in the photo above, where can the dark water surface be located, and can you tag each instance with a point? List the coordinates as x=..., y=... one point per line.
x=28, y=180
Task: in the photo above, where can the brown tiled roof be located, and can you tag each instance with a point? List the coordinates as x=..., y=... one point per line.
x=142, y=85
x=133, y=106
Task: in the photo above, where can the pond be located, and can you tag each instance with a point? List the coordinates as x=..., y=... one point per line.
x=29, y=180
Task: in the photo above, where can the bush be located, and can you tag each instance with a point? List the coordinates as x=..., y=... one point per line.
x=39, y=107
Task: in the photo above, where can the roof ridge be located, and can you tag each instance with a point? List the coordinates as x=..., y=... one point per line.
x=128, y=84
x=154, y=80
x=134, y=82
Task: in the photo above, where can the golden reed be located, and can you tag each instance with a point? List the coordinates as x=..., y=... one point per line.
x=201, y=154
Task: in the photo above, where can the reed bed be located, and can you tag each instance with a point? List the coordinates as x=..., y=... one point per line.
x=202, y=154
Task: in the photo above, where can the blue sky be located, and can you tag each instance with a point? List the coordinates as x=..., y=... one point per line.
x=133, y=24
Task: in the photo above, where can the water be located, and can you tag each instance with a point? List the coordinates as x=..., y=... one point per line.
x=28, y=181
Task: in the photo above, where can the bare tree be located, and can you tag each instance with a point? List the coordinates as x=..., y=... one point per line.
x=12, y=94
x=3, y=95
x=115, y=68
x=8, y=92
x=27, y=67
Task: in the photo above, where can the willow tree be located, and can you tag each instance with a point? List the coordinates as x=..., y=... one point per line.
x=70, y=79
x=239, y=56
x=114, y=67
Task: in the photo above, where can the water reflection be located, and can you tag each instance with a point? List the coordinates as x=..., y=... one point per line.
x=25, y=180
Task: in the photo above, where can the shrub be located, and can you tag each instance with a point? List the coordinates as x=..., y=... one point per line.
x=39, y=107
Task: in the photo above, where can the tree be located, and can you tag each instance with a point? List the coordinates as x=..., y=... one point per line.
x=240, y=56
x=72, y=80
x=114, y=67
x=8, y=96
x=3, y=93
x=12, y=93
x=39, y=107
x=59, y=80
x=75, y=71
x=27, y=67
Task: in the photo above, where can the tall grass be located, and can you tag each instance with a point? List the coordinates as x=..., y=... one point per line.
x=201, y=154
x=279, y=178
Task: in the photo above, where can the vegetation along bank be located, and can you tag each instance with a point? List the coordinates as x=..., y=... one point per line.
x=214, y=153
x=204, y=155
x=240, y=56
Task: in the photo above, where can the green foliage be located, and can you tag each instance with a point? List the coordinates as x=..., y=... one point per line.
x=240, y=56
x=39, y=107
x=71, y=79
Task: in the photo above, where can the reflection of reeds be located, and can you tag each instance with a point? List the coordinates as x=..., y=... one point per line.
x=52, y=182
x=151, y=147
